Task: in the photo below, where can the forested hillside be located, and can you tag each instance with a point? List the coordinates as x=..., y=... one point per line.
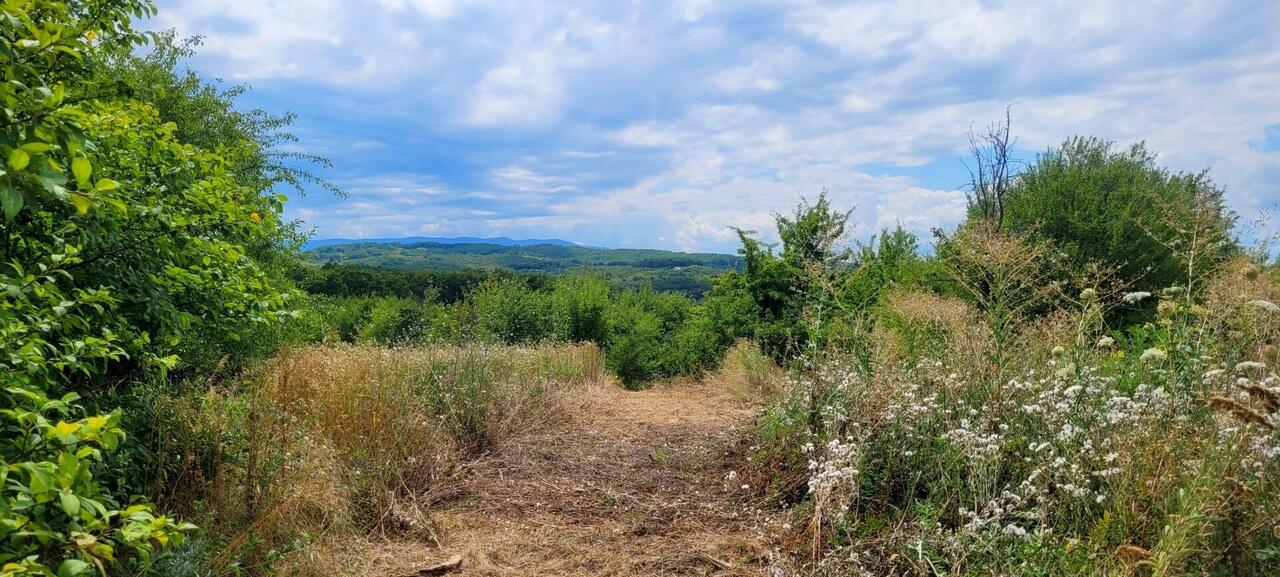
x=688, y=273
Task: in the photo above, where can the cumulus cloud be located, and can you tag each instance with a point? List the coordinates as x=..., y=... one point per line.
x=664, y=124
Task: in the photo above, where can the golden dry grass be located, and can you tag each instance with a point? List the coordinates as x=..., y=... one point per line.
x=749, y=374
x=347, y=449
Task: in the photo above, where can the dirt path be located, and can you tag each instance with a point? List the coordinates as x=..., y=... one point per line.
x=638, y=483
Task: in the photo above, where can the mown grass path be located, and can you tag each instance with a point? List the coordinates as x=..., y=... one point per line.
x=636, y=483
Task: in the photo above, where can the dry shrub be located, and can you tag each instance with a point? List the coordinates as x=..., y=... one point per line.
x=402, y=419
x=1008, y=276
x=916, y=325
x=749, y=373
x=1239, y=305
x=1059, y=327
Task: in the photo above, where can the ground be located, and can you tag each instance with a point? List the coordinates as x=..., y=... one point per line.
x=636, y=483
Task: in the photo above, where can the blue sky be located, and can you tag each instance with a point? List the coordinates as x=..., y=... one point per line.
x=662, y=124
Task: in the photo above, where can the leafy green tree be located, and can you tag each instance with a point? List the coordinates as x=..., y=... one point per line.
x=889, y=260
x=68, y=309
x=250, y=144
x=1116, y=207
x=790, y=288
x=121, y=240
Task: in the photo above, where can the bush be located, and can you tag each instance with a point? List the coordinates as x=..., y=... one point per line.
x=1118, y=208
x=579, y=305
x=634, y=350
x=506, y=311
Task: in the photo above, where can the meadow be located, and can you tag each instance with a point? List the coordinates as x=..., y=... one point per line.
x=1077, y=379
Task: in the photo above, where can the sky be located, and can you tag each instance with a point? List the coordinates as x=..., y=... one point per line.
x=664, y=124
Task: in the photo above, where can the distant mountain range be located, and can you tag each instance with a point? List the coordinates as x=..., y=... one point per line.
x=499, y=240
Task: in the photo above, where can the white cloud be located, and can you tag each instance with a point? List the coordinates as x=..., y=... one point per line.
x=524, y=180
x=665, y=123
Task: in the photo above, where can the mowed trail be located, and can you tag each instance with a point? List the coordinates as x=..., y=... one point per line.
x=637, y=483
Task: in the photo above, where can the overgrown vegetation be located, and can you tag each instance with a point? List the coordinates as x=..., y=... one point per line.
x=322, y=446
x=1041, y=411
x=1077, y=380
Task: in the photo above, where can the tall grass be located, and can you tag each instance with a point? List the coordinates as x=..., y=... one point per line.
x=351, y=441
x=749, y=373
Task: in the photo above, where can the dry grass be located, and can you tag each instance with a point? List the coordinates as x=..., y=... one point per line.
x=915, y=324
x=749, y=373
x=643, y=483
x=1236, y=304
x=333, y=448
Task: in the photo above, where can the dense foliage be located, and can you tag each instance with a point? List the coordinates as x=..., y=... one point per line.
x=343, y=280
x=137, y=213
x=1116, y=207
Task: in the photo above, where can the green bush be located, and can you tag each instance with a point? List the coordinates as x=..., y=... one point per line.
x=578, y=305
x=1100, y=204
x=506, y=311
x=102, y=274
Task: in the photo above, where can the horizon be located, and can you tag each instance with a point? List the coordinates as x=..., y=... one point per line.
x=660, y=126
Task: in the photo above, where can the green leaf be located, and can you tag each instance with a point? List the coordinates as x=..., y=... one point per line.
x=106, y=184
x=11, y=200
x=72, y=568
x=81, y=168
x=19, y=159
x=70, y=504
x=68, y=465
x=36, y=147
x=81, y=201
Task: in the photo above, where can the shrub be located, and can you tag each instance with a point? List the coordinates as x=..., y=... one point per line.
x=635, y=353
x=1116, y=207
x=506, y=311
x=578, y=308
x=1065, y=467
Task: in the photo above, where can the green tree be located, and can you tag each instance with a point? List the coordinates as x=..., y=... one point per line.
x=66, y=221
x=791, y=289
x=1116, y=207
x=120, y=242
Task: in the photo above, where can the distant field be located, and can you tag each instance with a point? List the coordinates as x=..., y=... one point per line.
x=687, y=273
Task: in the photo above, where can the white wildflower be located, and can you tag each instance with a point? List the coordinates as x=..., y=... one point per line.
x=1250, y=366
x=1135, y=297
x=1153, y=355
x=1014, y=530
x=1105, y=342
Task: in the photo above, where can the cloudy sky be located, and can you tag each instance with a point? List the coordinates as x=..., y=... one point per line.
x=661, y=124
